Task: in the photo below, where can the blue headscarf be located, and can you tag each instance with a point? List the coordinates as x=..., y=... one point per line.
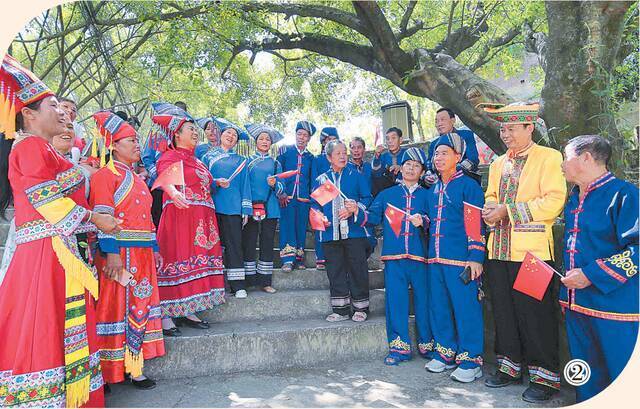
x=328, y=131
x=416, y=154
x=256, y=129
x=307, y=126
x=223, y=125
x=452, y=140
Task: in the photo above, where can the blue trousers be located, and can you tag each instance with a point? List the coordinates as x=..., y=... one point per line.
x=398, y=275
x=605, y=345
x=456, y=317
x=293, y=228
x=319, y=250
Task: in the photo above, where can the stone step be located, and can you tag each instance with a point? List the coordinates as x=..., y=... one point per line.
x=309, y=241
x=268, y=346
x=311, y=278
x=283, y=305
x=4, y=232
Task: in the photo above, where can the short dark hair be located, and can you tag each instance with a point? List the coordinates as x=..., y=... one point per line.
x=65, y=99
x=448, y=110
x=359, y=139
x=398, y=131
x=123, y=115
x=596, y=145
x=182, y=105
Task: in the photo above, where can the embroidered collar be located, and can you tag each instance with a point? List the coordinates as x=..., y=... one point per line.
x=300, y=152
x=122, y=165
x=511, y=154
x=456, y=175
x=411, y=188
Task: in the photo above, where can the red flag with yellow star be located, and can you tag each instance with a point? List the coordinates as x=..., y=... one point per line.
x=395, y=217
x=173, y=175
x=472, y=221
x=325, y=193
x=533, y=277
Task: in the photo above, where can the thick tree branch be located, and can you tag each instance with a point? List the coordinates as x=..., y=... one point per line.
x=407, y=16
x=310, y=10
x=382, y=38
x=535, y=43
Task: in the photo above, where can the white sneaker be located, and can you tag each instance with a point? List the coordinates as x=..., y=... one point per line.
x=437, y=366
x=466, y=375
x=241, y=294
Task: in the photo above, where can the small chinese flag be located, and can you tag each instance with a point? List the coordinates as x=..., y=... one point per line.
x=395, y=217
x=473, y=221
x=316, y=220
x=325, y=193
x=173, y=175
x=287, y=174
x=533, y=277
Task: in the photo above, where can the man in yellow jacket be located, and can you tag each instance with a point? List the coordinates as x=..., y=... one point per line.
x=525, y=193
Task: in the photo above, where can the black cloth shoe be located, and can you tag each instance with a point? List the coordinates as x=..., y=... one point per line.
x=500, y=380
x=538, y=393
x=107, y=388
x=173, y=332
x=191, y=323
x=144, y=384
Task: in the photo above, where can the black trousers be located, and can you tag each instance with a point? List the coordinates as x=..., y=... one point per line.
x=230, y=227
x=526, y=329
x=156, y=206
x=258, y=273
x=346, y=262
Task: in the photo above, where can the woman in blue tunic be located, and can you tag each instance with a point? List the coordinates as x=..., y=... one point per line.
x=232, y=198
x=265, y=190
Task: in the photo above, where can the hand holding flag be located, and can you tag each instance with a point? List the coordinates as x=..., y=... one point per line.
x=317, y=220
x=473, y=221
x=173, y=175
x=534, y=277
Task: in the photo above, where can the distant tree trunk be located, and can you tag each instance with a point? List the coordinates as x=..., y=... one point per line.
x=580, y=54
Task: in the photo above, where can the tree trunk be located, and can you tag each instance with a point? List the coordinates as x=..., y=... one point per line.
x=582, y=45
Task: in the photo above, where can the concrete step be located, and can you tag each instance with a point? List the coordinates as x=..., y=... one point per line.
x=359, y=384
x=311, y=278
x=283, y=305
x=268, y=346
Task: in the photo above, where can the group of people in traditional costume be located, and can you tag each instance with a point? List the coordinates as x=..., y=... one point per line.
x=149, y=238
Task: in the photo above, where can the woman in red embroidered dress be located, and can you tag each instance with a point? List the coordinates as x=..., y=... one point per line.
x=49, y=356
x=128, y=314
x=191, y=279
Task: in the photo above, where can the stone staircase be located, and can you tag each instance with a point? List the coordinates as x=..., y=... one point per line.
x=269, y=332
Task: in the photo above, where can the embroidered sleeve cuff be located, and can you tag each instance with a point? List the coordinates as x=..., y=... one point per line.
x=477, y=251
x=519, y=213
x=104, y=209
x=108, y=244
x=603, y=276
x=70, y=222
x=279, y=188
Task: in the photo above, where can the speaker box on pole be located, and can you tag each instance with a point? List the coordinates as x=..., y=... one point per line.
x=398, y=114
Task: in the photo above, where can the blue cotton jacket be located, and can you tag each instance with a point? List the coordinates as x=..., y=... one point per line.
x=601, y=238
x=291, y=158
x=235, y=199
x=260, y=167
